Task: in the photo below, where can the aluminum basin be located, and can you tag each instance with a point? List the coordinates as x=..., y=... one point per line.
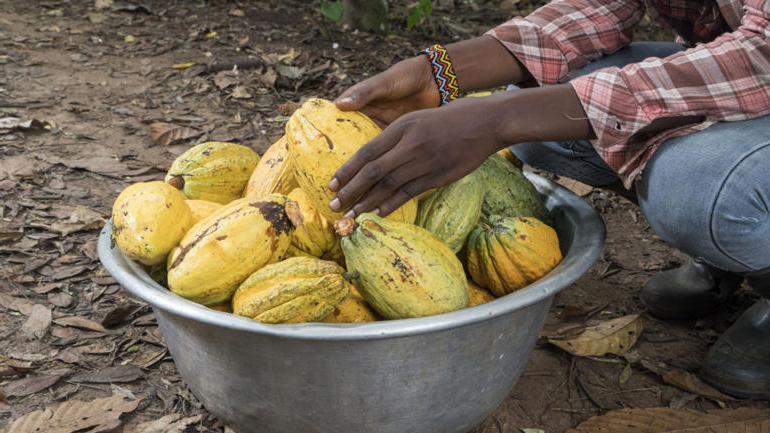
x=439, y=374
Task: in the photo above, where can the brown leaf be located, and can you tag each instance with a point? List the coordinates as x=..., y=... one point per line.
x=37, y=323
x=30, y=385
x=225, y=79
x=14, y=123
x=19, y=166
x=95, y=164
x=575, y=186
x=612, y=336
x=80, y=218
x=173, y=423
x=240, y=92
x=60, y=299
x=100, y=415
x=687, y=381
x=69, y=355
x=166, y=134
x=116, y=374
x=660, y=420
x=237, y=12
x=118, y=315
x=16, y=304
x=81, y=323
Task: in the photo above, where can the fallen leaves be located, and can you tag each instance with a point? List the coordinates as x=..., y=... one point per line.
x=166, y=134
x=666, y=420
x=9, y=124
x=80, y=323
x=30, y=385
x=99, y=415
x=173, y=423
x=575, y=186
x=687, y=381
x=38, y=322
x=240, y=92
x=614, y=336
x=115, y=374
x=80, y=218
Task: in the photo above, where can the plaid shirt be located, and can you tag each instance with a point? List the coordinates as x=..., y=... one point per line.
x=724, y=77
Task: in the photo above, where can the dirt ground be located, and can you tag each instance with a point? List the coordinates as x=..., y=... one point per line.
x=99, y=77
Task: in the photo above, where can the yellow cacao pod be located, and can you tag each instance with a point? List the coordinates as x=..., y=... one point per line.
x=274, y=173
x=321, y=138
x=353, y=309
x=477, y=295
x=298, y=289
x=201, y=209
x=219, y=252
x=213, y=171
x=225, y=307
x=402, y=270
x=148, y=221
x=509, y=253
x=313, y=235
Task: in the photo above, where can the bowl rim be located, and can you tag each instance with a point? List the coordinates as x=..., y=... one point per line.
x=587, y=244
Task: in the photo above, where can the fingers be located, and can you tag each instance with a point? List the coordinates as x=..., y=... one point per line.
x=366, y=154
x=407, y=192
x=378, y=170
x=387, y=186
x=361, y=94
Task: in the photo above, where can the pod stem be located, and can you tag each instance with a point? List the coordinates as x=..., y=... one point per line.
x=177, y=182
x=344, y=226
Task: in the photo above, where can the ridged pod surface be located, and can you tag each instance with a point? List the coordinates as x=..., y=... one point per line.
x=201, y=209
x=452, y=211
x=148, y=221
x=273, y=174
x=299, y=289
x=353, y=309
x=509, y=253
x=214, y=171
x=508, y=192
x=478, y=295
x=219, y=252
x=321, y=138
x=313, y=235
x=402, y=270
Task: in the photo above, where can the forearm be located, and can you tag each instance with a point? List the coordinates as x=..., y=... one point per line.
x=484, y=63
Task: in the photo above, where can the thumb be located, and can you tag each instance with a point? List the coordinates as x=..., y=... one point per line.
x=363, y=93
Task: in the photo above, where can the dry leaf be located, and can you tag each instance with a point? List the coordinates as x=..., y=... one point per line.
x=14, y=123
x=38, y=322
x=575, y=186
x=689, y=382
x=268, y=77
x=100, y=415
x=237, y=12
x=116, y=374
x=95, y=164
x=225, y=79
x=60, y=299
x=30, y=385
x=660, y=420
x=612, y=336
x=81, y=323
x=80, y=218
x=17, y=304
x=167, y=134
x=240, y=92
x=185, y=65
x=102, y=4
x=290, y=72
x=20, y=166
x=173, y=423
x=69, y=355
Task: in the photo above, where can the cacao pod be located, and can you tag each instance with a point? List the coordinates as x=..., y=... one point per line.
x=201, y=209
x=148, y=221
x=477, y=295
x=274, y=173
x=507, y=254
x=507, y=154
x=353, y=309
x=225, y=307
x=298, y=289
x=321, y=138
x=402, y=270
x=219, y=252
x=213, y=171
x=508, y=192
x=452, y=211
x=313, y=235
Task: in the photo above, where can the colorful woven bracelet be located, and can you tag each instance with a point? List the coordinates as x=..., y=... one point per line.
x=443, y=73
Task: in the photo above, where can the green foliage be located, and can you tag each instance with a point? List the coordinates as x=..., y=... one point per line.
x=419, y=11
x=332, y=10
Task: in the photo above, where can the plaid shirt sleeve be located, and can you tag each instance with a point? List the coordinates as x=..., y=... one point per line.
x=565, y=35
x=727, y=79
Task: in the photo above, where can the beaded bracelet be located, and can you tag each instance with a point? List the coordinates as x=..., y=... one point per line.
x=443, y=73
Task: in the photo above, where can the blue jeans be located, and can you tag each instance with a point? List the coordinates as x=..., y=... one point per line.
x=707, y=193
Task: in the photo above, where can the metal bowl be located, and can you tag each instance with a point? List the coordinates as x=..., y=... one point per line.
x=439, y=374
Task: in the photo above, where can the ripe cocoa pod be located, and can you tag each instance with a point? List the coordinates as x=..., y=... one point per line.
x=213, y=171
x=274, y=172
x=402, y=270
x=353, y=309
x=201, y=209
x=298, y=289
x=219, y=252
x=148, y=221
x=478, y=295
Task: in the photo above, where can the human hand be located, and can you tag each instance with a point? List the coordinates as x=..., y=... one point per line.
x=404, y=87
x=420, y=150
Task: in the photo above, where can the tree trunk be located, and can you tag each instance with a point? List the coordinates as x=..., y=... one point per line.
x=366, y=15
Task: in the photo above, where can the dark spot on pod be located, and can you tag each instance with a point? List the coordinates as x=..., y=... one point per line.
x=221, y=238
x=275, y=214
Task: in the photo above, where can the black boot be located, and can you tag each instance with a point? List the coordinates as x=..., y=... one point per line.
x=692, y=291
x=738, y=363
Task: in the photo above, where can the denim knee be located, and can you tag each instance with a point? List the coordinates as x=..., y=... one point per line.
x=708, y=194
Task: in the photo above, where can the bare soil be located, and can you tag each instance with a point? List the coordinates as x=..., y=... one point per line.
x=99, y=78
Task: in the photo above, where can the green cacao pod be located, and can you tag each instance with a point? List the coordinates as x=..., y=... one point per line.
x=508, y=192
x=507, y=254
x=453, y=210
x=213, y=171
x=402, y=270
x=298, y=289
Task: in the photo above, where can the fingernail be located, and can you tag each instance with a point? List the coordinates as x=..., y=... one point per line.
x=335, y=204
x=334, y=184
x=376, y=211
x=345, y=100
x=350, y=214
